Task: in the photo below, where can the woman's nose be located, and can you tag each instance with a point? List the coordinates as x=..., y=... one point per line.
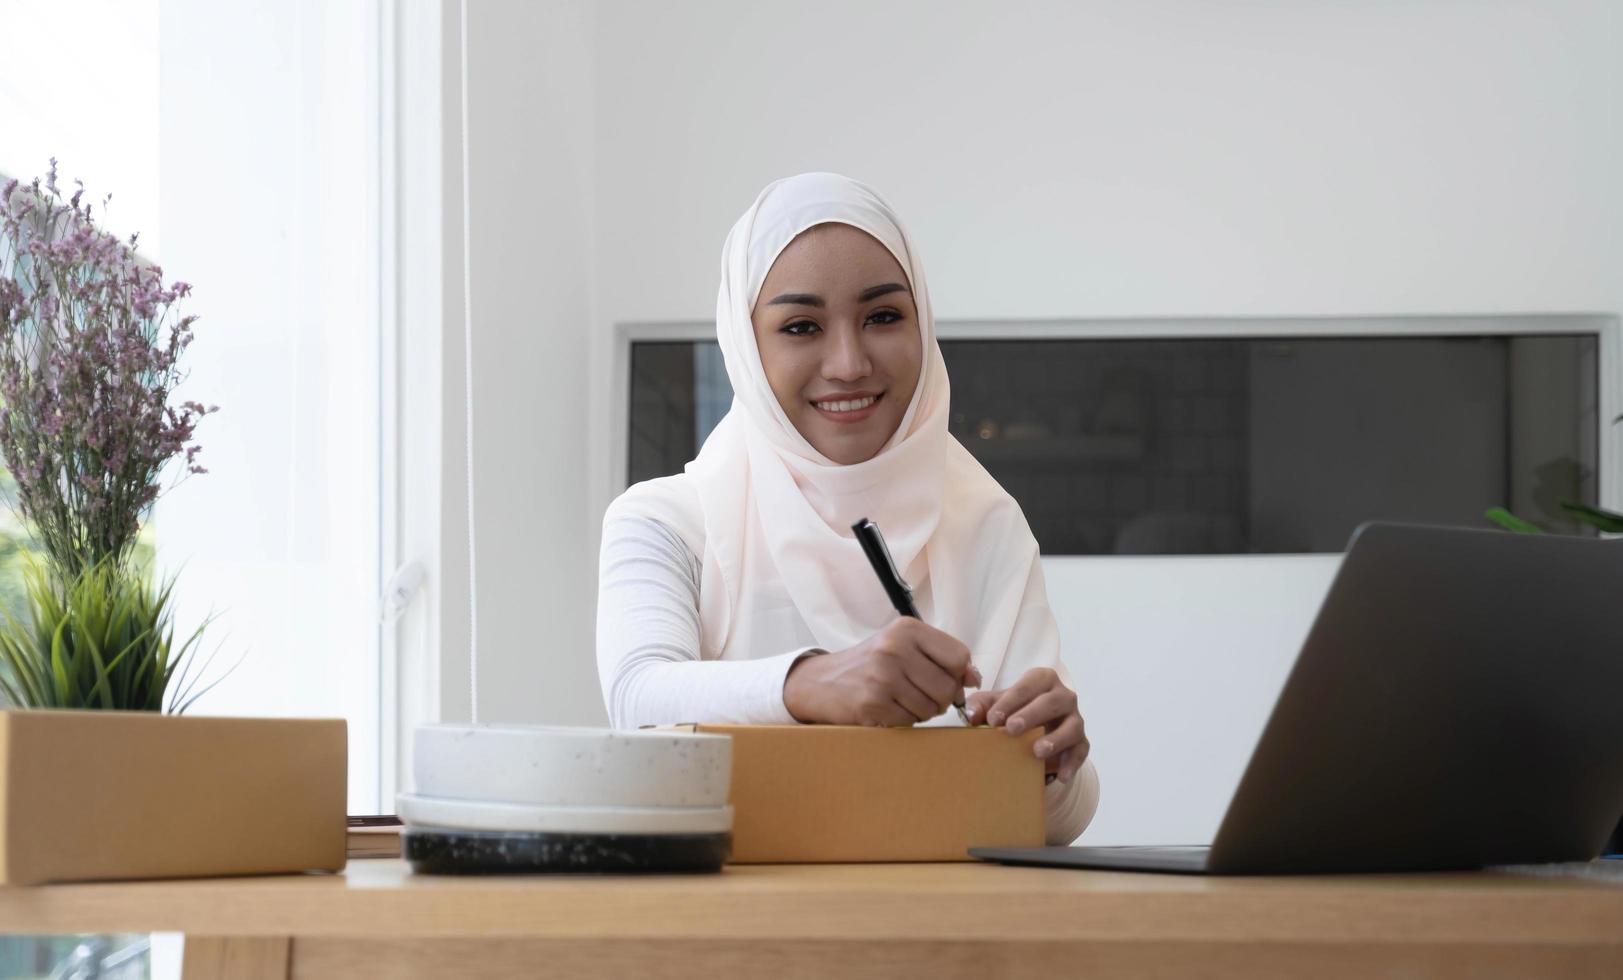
x=844, y=359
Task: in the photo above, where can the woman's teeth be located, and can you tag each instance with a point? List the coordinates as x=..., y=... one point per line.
x=847, y=406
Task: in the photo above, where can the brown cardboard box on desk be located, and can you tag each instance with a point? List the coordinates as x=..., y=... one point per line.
x=87, y=795
x=806, y=793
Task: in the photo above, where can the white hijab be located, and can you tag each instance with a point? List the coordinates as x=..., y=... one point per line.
x=775, y=514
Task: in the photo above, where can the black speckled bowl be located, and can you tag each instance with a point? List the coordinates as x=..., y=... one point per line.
x=481, y=852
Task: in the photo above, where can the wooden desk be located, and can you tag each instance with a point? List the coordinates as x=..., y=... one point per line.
x=970, y=921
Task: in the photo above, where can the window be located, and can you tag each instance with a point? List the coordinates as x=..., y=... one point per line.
x=270, y=203
x=266, y=122
x=1227, y=443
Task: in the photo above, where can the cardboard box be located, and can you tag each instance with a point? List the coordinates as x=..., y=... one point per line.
x=807, y=793
x=88, y=795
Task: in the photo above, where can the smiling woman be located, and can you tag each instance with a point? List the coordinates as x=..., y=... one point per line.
x=736, y=592
x=843, y=366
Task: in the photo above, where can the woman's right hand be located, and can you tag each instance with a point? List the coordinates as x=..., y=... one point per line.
x=907, y=672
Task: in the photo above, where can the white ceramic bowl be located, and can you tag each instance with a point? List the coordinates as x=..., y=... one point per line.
x=434, y=813
x=556, y=766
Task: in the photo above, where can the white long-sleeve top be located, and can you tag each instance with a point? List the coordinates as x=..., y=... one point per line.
x=649, y=663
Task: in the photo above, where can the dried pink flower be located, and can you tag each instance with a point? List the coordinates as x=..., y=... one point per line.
x=90, y=344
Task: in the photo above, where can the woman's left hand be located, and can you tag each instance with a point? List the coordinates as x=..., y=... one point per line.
x=1038, y=698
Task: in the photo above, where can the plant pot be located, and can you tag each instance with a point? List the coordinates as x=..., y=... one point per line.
x=97, y=795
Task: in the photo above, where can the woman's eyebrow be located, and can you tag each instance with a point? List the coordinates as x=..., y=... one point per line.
x=873, y=291
x=812, y=299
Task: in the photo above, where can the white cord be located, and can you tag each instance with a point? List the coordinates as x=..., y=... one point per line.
x=467, y=387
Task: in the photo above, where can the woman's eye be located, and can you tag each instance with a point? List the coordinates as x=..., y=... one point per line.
x=802, y=328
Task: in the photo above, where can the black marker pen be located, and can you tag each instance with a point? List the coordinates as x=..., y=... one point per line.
x=901, y=595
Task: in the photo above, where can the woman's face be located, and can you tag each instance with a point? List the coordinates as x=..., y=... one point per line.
x=839, y=339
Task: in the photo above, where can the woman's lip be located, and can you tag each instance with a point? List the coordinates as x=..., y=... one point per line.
x=847, y=418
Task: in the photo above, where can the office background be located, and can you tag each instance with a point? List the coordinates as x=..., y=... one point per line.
x=1055, y=161
x=300, y=162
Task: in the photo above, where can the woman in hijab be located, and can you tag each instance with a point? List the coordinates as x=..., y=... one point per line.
x=736, y=592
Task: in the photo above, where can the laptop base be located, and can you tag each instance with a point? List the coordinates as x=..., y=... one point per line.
x=1170, y=860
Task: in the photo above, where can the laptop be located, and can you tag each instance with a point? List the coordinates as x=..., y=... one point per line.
x=1458, y=703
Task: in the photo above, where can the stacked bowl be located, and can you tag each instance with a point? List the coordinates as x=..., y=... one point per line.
x=520, y=799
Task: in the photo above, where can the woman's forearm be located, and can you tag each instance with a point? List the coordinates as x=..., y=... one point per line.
x=649, y=663
x=648, y=690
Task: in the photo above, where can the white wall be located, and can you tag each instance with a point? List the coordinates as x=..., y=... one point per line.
x=1166, y=157
x=530, y=86
x=1076, y=159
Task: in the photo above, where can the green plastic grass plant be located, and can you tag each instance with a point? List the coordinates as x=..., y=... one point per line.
x=103, y=638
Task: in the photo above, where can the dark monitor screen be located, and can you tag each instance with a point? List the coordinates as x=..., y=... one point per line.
x=1226, y=446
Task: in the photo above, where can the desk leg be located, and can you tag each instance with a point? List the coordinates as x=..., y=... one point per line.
x=235, y=958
